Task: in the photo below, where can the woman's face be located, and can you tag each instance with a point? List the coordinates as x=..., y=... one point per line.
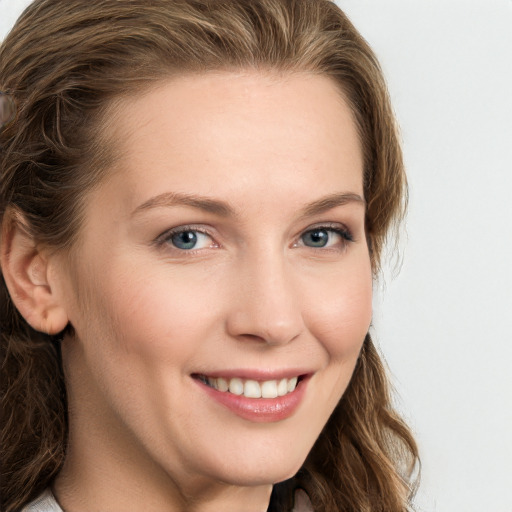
x=226, y=250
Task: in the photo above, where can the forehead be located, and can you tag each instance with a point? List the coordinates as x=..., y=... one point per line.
x=207, y=131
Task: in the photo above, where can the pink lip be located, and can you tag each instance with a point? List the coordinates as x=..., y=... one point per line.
x=259, y=410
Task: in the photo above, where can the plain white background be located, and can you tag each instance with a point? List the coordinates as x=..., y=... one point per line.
x=445, y=322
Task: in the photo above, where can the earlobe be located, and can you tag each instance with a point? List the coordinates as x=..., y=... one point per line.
x=25, y=271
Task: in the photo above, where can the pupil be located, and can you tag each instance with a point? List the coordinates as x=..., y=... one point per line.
x=185, y=240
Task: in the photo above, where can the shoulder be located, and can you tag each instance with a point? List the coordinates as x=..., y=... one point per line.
x=45, y=502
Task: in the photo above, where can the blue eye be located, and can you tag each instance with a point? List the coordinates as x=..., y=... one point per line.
x=189, y=239
x=321, y=237
x=316, y=238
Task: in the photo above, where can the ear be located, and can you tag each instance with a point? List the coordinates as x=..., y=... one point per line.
x=26, y=273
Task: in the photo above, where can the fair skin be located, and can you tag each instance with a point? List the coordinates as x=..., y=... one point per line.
x=270, y=280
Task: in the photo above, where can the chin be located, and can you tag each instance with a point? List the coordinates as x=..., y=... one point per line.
x=260, y=469
x=258, y=477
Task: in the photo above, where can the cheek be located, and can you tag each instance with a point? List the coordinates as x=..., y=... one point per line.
x=341, y=315
x=157, y=315
x=147, y=314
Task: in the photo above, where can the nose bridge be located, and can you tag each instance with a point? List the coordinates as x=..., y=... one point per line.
x=267, y=304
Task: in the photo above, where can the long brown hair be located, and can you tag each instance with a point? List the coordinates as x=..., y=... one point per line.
x=64, y=63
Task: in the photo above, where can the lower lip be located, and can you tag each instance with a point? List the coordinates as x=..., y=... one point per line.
x=259, y=410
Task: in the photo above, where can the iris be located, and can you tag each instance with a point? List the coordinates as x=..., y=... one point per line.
x=316, y=238
x=184, y=240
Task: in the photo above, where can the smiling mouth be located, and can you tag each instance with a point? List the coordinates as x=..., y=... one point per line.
x=251, y=388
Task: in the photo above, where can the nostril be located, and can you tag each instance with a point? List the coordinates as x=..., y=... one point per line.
x=266, y=319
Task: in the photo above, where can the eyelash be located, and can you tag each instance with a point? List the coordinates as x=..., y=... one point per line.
x=166, y=237
x=343, y=232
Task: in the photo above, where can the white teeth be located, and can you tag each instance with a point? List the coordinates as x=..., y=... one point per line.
x=236, y=386
x=222, y=384
x=292, y=384
x=252, y=388
x=269, y=389
x=282, y=387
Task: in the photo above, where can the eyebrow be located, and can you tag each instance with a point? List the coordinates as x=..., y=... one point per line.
x=332, y=201
x=207, y=204
x=224, y=209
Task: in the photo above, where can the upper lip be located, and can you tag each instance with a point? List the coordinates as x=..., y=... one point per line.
x=257, y=374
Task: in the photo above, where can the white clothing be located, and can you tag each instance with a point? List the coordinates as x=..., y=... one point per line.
x=46, y=502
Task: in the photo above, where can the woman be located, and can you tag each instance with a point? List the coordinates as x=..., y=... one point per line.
x=195, y=195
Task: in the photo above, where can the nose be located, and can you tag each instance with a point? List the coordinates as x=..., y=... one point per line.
x=266, y=305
